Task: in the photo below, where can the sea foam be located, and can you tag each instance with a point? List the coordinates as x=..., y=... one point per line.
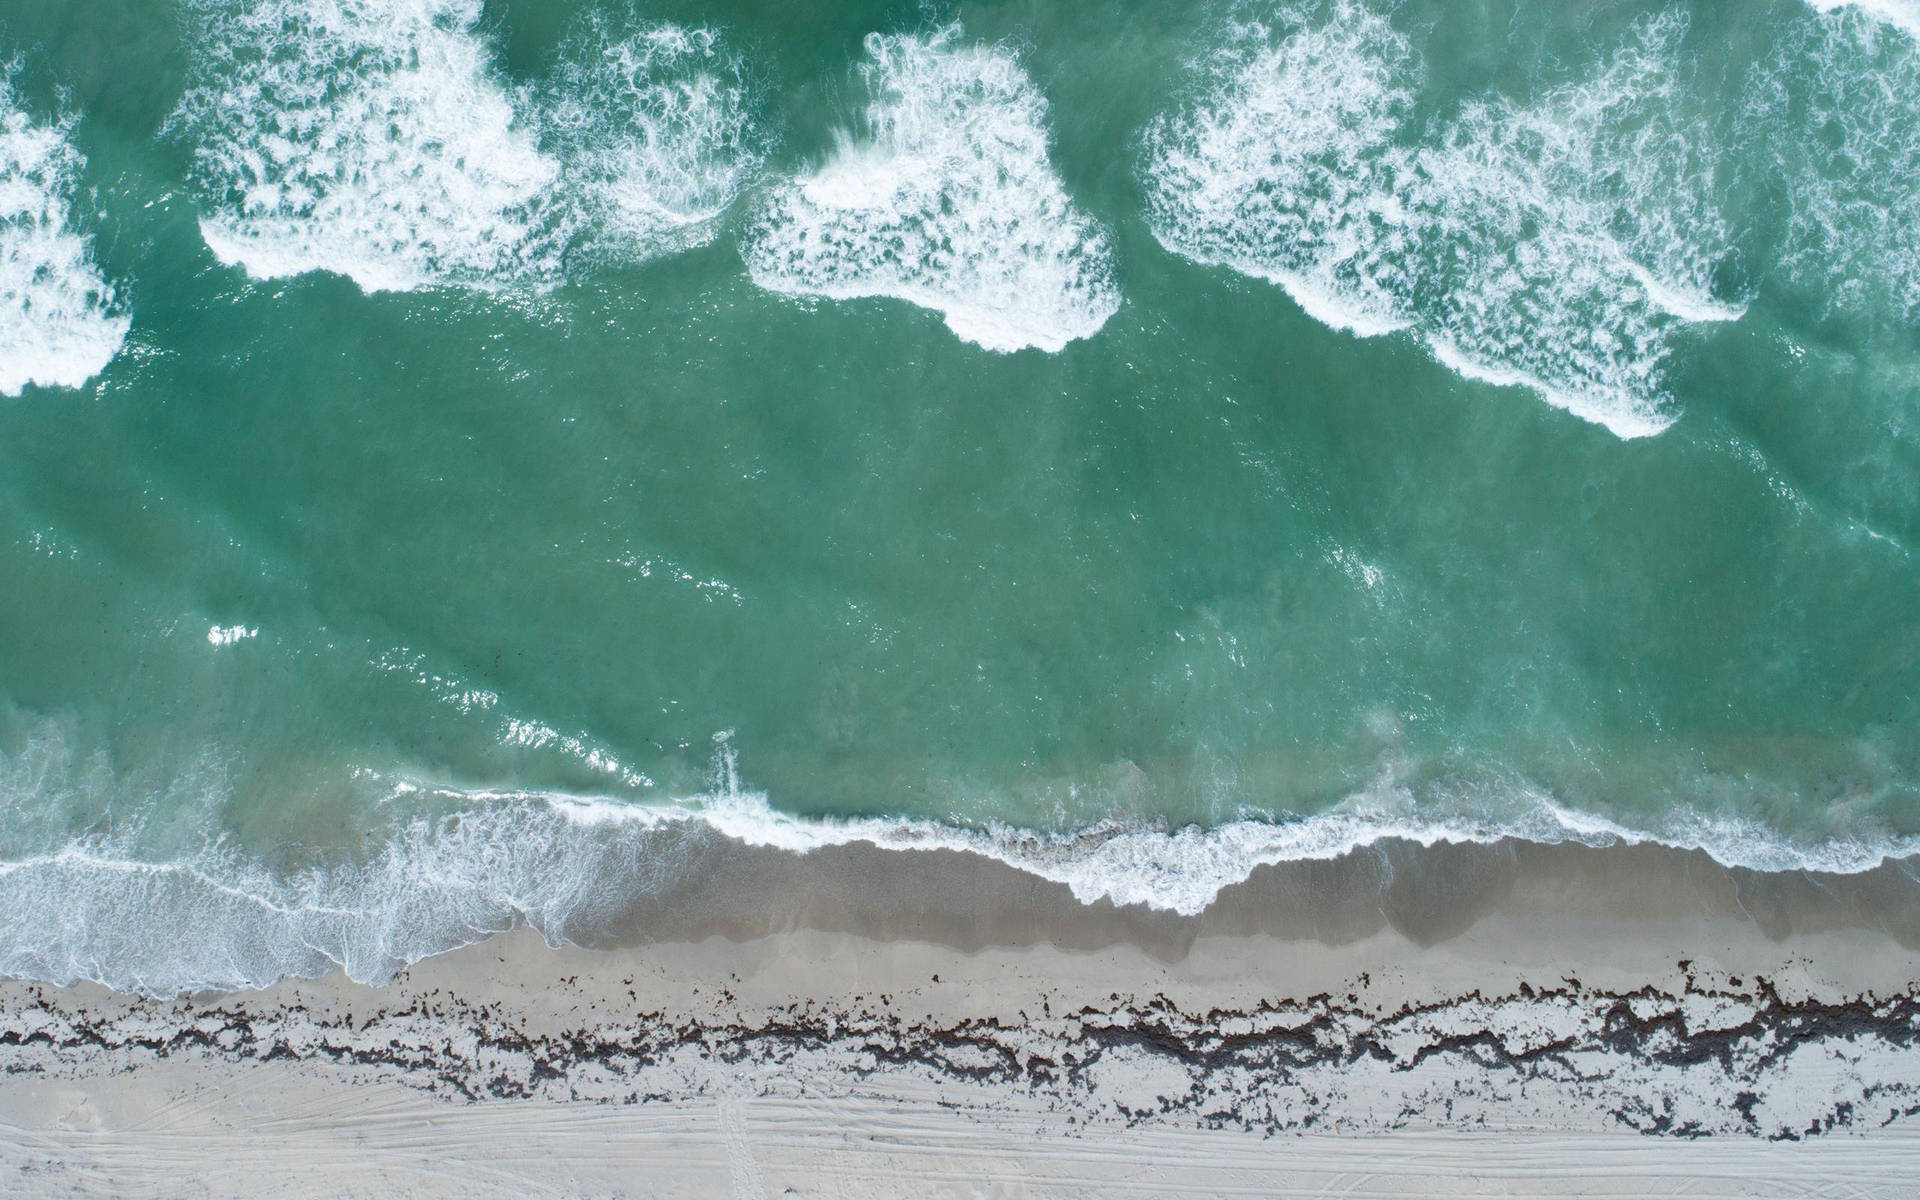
x=163, y=914
x=59, y=322
x=1554, y=245
x=1567, y=239
x=948, y=200
x=1835, y=118
x=1902, y=14
x=370, y=138
x=377, y=139
x=653, y=125
x=1286, y=170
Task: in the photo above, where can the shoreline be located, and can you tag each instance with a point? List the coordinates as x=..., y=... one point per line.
x=1518, y=990
x=1430, y=894
x=589, y=872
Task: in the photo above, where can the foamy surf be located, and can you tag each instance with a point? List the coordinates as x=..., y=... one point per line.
x=60, y=324
x=377, y=139
x=1555, y=246
x=653, y=125
x=1284, y=169
x=948, y=201
x=1834, y=116
x=1901, y=14
x=368, y=138
x=480, y=861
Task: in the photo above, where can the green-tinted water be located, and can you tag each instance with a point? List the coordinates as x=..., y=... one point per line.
x=593, y=482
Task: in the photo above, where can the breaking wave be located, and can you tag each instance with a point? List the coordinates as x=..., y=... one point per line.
x=377, y=140
x=60, y=324
x=1286, y=171
x=462, y=864
x=653, y=127
x=1835, y=115
x=1902, y=14
x=370, y=138
x=949, y=201
x=1556, y=245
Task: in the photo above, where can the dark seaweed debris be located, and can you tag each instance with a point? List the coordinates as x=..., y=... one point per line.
x=1235, y=1062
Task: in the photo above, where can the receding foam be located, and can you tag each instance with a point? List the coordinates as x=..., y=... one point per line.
x=653, y=127
x=369, y=138
x=1554, y=245
x=949, y=201
x=1901, y=14
x=1835, y=117
x=376, y=139
x=1284, y=170
x=1578, y=235
x=97, y=909
x=59, y=322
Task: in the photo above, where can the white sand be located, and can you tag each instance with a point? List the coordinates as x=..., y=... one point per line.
x=192, y=1130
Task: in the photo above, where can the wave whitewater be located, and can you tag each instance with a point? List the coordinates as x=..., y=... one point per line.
x=1848, y=87
x=60, y=321
x=1562, y=244
x=1902, y=14
x=653, y=127
x=1556, y=245
x=376, y=139
x=1559, y=245
x=949, y=202
x=568, y=866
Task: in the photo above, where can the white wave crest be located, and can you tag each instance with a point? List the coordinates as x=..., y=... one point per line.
x=1578, y=234
x=227, y=635
x=949, y=202
x=653, y=126
x=1554, y=246
x=1285, y=170
x=1901, y=14
x=59, y=323
x=370, y=138
x=1184, y=870
x=376, y=139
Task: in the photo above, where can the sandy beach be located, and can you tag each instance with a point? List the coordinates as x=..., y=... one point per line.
x=1506, y=1019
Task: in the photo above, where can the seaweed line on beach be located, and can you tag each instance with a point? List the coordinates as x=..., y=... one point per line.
x=1723, y=1057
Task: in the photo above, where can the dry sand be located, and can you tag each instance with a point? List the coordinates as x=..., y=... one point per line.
x=1513, y=1019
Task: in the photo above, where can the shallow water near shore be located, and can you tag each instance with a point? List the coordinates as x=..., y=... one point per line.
x=499, y=457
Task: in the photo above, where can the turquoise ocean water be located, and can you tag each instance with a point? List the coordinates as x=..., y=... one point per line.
x=460, y=461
